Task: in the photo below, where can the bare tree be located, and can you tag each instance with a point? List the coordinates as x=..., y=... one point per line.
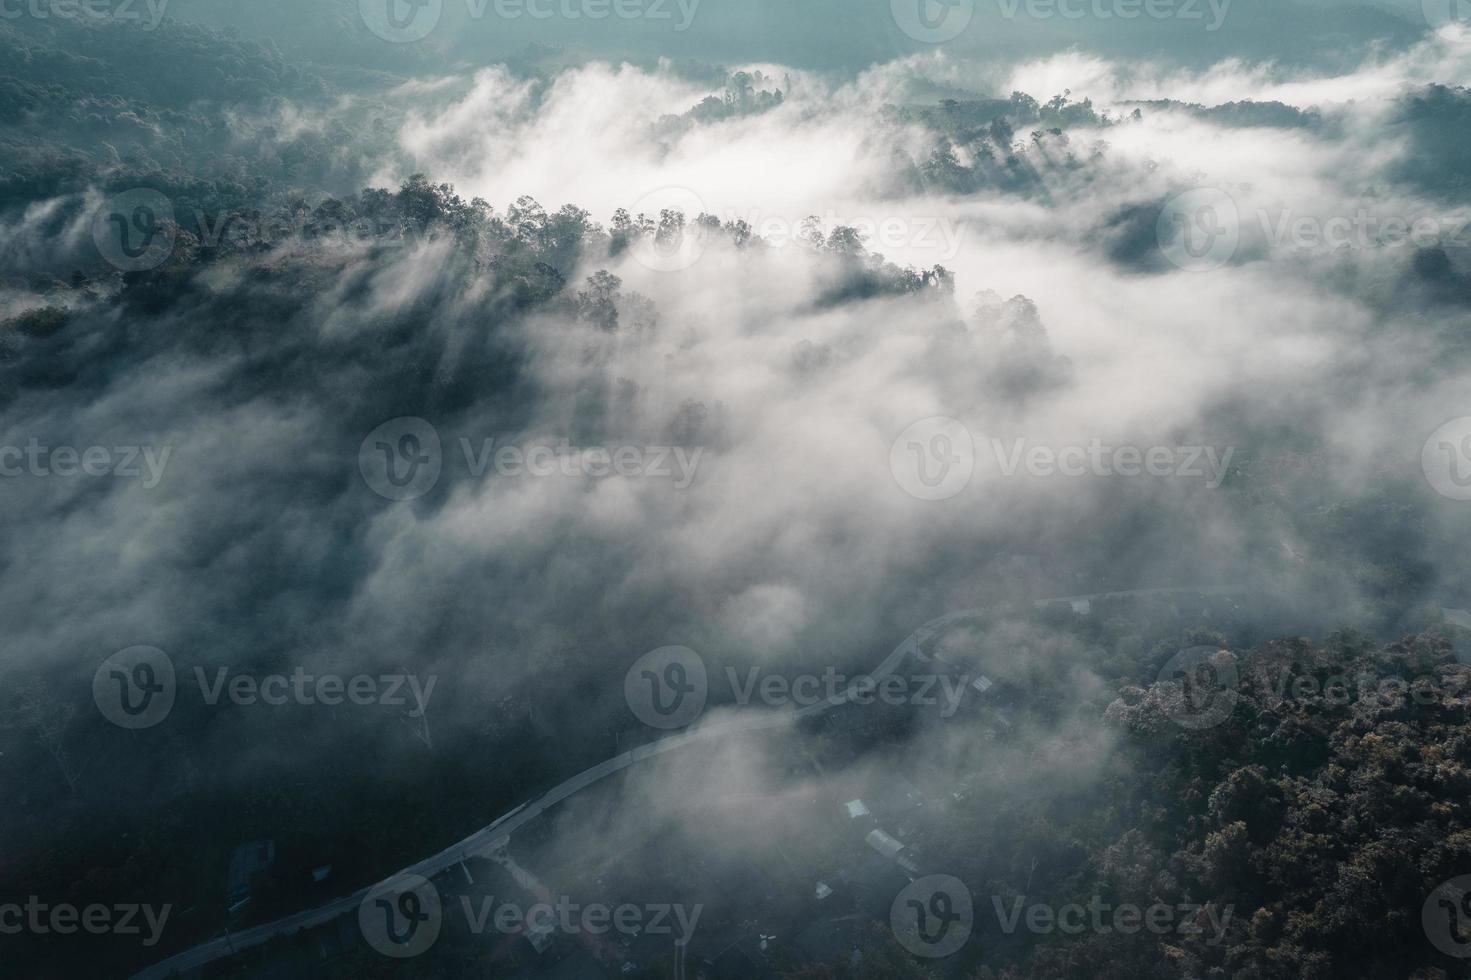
x=48, y=719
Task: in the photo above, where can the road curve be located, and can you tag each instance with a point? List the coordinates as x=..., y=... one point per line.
x=496, y=835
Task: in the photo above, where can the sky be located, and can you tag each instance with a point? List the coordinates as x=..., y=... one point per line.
x=846, y=35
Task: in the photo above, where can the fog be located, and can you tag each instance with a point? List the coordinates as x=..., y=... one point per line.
x=1293, y=381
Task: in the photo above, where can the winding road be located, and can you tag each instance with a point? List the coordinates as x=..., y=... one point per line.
x=495, y=836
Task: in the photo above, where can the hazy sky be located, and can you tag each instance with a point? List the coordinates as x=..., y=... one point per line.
x=848, y=34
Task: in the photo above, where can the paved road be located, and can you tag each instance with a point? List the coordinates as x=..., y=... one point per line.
x=495, y=836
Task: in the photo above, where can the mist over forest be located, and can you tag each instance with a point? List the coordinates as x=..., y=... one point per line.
x=866, y=486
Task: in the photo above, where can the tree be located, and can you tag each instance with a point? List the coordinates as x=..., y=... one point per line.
x=598, y=303
x=846, y=241
x=47, y=719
